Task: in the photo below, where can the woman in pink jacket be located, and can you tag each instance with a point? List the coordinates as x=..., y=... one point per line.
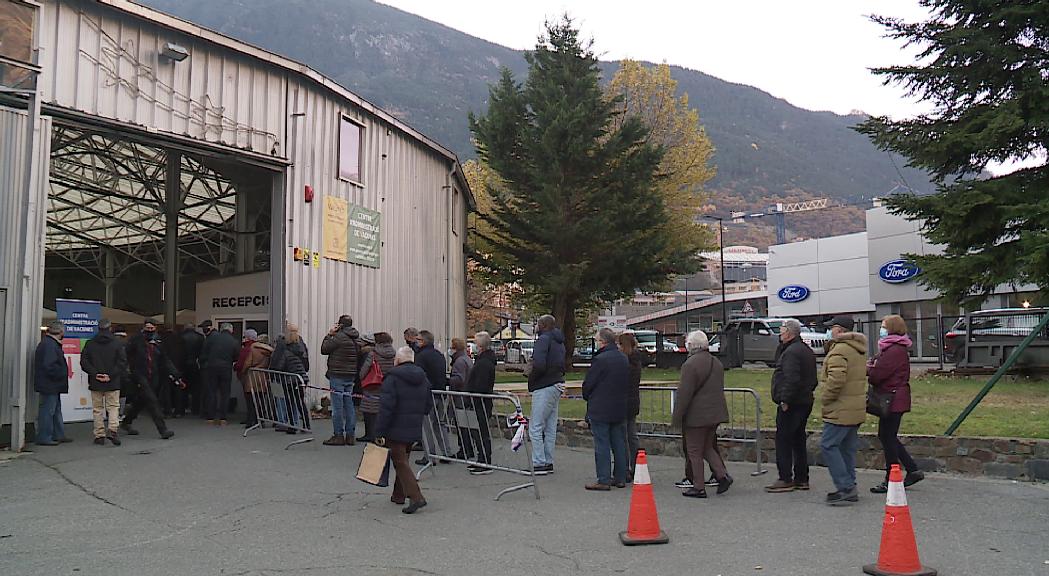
x=890, y=373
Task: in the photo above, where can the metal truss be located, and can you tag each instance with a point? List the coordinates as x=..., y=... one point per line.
x=107, y=201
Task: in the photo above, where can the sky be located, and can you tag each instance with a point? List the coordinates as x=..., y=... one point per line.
x=813, y=53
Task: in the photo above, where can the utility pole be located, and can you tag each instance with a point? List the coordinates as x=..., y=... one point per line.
x=721, y=242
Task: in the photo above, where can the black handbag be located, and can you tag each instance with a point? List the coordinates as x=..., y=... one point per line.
x=879, y=403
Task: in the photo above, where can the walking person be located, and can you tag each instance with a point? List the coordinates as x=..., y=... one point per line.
x=291, y=355
x=104, y=360
x=629, y=346
x=377, y=363
x=342, y=346
x=793, y=384
x=844, y=407
x=216, y=359
x=481, y=381
x=546, y=383
x=435, y=366
x=405, y=400
x=890, y=373
x=698, y=411
x=605, y=389
x=190, y=399
x=51, y=380
x=149, y=366
x=461, y=366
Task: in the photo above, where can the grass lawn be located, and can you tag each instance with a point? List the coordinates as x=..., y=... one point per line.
x=1016, y=407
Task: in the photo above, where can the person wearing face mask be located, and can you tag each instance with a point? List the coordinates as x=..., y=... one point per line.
x=216, y=361
x=793, y=383
x=149, y=367
x=890, y=373
x=844, y=406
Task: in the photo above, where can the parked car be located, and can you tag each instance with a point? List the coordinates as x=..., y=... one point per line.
x=499, y=347
x=584, y=351
x=519, y=351
x=997, y=323
x=759, y=338
x=648, y=341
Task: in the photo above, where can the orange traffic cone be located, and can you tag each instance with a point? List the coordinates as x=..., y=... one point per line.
x=898, y=555
x=643, y=526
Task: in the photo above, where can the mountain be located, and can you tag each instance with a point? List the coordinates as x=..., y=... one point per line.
x=431, y=76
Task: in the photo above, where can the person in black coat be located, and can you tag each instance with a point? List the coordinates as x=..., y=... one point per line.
x=149, y=366
x=481, y=381
x=606, y=389
x=216, y=362
x=292, y=356
x=546, y=382
x=434, y=365
x=792, y=385
x=104, y=360
x=51, y=380
x=192, y=398
x=628, y=345
x=405, y=400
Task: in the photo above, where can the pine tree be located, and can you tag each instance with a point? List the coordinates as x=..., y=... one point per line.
x=984, y=65
x=575, y=215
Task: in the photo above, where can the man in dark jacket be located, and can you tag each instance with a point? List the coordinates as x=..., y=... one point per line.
x=342, y=346
x=792, y=386
x=149, y=367
x=606, y=389
x=481, y=381
x=190, y=399
x=405, y=400
x=435, y=366
x=104, y=360
x=217, y=357
x=546, y=382
x=51, y=380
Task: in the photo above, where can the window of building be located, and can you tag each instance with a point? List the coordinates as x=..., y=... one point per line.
x=351, y=136
x=456, y=213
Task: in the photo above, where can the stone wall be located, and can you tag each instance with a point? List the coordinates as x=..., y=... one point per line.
x=1015, y=459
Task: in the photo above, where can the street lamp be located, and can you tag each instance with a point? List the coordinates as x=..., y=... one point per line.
x=721, y=241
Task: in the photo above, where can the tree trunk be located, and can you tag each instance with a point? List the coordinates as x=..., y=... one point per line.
x=564, y=313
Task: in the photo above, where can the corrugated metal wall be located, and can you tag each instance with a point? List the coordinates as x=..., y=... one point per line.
x=405, y=181
x=107, y=64
x=13, y=136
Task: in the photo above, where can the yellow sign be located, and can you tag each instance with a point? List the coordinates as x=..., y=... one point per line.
x=336, y=221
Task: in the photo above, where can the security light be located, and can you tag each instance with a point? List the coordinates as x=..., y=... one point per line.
x=174, y=52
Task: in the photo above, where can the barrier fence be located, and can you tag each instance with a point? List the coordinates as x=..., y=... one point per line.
x=743, y=426
x=279, y=399
x=487, y=431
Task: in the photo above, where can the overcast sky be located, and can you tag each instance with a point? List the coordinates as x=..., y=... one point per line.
x=813, y=53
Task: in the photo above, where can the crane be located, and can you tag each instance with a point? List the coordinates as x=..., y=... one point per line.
x=779, y=210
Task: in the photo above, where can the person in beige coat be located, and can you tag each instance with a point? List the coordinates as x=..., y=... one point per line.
x=699, y=409
x=844, y=407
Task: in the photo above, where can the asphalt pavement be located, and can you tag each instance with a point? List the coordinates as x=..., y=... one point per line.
x=210, y=502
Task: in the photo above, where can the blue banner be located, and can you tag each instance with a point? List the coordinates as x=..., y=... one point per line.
x=79, y=316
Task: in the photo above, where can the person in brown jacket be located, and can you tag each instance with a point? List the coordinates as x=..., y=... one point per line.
x=699, y=409
x=844, y=407
x=256, y=387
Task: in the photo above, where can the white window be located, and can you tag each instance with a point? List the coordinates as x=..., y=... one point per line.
x=456, y=212
x=351, y=136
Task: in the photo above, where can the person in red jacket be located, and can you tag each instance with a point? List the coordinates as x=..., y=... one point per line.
x=890, y=373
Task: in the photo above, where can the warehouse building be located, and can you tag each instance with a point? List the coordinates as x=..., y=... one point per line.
x=156, y=168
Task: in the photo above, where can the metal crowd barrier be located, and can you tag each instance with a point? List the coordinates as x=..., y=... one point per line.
x=280, y=400
x=743, y=427
x=479, y=430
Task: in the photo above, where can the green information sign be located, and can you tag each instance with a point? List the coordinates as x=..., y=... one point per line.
x=363, y=236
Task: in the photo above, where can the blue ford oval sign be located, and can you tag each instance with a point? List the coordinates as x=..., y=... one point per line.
x=793, y=293
x=898, y=271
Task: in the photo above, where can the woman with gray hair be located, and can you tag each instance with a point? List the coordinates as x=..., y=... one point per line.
x=700, y=407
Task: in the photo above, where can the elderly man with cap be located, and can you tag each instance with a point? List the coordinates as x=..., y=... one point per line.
x=149, y=366
x=844, y=406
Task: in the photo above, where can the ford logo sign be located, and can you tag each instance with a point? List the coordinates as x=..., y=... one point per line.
x=898, y=271
x=793, y=293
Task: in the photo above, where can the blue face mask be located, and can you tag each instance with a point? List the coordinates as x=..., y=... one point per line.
x=883, y=332
x=830, y=334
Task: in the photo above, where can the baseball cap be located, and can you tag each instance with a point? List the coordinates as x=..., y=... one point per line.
x=844, y=321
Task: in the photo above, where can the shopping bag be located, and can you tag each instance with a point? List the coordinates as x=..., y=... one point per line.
x=375, y=466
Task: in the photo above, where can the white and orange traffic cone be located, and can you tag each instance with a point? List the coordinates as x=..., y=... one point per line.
x=643, y=526
x=898, y=555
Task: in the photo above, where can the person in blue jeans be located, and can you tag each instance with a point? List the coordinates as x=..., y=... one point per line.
x=546, y=381
x=606, y=390
x=51, y=380
x=844, y=407
x=342, y=346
